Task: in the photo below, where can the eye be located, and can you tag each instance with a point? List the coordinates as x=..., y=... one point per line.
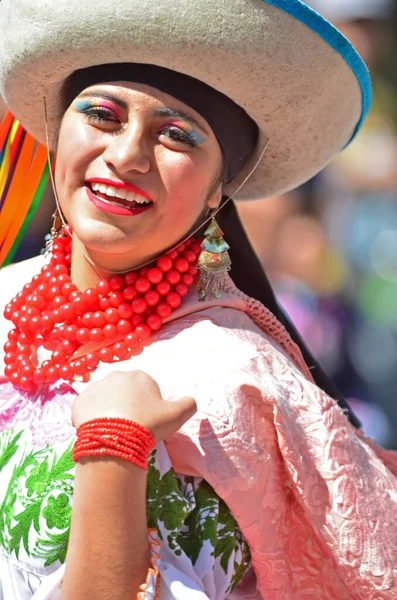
x=100, y=115
x=175, y=134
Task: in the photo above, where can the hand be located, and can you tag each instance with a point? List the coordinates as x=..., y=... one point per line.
x=134, y=396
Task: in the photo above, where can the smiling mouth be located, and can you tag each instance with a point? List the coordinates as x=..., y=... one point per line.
x=118, y=197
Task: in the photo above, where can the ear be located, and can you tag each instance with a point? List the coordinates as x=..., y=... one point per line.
x=215, y=199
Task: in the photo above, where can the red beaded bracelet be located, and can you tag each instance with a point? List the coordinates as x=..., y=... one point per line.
x=114, y=437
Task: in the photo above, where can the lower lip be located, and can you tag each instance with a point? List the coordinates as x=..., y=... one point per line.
x=114, y=209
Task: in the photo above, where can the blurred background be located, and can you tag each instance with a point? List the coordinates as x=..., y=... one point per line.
x=330, y=248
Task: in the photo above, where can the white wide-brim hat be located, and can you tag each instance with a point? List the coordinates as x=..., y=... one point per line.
x=298, y=78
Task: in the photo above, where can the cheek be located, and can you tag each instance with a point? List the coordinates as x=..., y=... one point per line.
x=186, y=181
x=74, y=152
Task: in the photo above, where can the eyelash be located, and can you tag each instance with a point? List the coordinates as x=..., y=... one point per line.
x=180, y=135
x=99, y=116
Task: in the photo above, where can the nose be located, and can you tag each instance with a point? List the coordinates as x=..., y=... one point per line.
x=128, y=151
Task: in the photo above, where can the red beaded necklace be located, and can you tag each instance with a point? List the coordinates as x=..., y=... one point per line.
x=120, y=312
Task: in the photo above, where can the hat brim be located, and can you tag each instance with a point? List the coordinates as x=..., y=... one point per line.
x=292, y=71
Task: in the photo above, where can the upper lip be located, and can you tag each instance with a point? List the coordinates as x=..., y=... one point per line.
x=121, y=185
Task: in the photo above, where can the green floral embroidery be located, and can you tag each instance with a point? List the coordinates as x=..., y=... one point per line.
x=57, y=513
x=33, y=479
x=36, y=511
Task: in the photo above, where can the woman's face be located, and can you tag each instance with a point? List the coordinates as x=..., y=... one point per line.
x=135, y=170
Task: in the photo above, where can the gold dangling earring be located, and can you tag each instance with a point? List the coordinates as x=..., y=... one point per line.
x=56, y=228
x=214, y=263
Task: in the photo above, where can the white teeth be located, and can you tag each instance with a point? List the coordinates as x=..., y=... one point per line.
x=113, y=192
x=121, y=194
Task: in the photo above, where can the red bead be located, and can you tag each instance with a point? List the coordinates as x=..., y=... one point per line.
x=163, y=288
x=137, y=320
x=47, y=321
x=155, y=275
x=66, y=372
x=139, y=305
x=193, y=270
x=8, y=312
x=62, y=279
x=92, y=360
x=56, y=316
x=154, y=322
x=142, y=285
x=116, y=282
x=79, y=367
x=91, y=296
x=61, y=269
x=152, y=298
x=10, y=346
x=104, y=304
x=69, y=288
x=103, y=287
x=164, y=263
x=120, y=349
x=9, y=370
x=69, y=333
x=181, y=248
x=26, y=384
x=38, y=376
x=131, y=341
x=35, y=323
x=131, y=278
x=187, y=278
x=25, y=349
x=67, y=346
x=173, y=254
x=143, y=331
x=116, y=298
x=129, y=293
x=181, y=265
x=27, y=370
x=181, y=289
x=124, y=327
x=59, y=301
x=13, y=335
x=125, y=311
x=111, y=315
x=87, y=320
x=83, y=335
x=59, y=357
x=38, y=302
x=190, y=256
x=96, y=334
x=98, y=319
x=52, y=373
x=173, y=277
x=79, y=303
x=110, y=331
x=163, y=310
x=54, y=291
x=68, y=311
x=106, y=355
x=173, y=299
x=9, y=358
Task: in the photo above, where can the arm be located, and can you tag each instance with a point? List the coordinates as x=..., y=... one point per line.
x=108, y=554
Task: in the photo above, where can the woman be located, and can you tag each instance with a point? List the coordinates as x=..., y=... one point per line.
x=266, y=491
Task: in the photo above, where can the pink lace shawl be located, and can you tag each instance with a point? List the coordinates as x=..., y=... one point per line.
x=316, y=501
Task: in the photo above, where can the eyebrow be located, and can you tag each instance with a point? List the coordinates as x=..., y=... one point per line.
x=159, y=112
x=94, y=94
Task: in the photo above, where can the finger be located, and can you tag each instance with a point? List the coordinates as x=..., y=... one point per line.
x=182, y=410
